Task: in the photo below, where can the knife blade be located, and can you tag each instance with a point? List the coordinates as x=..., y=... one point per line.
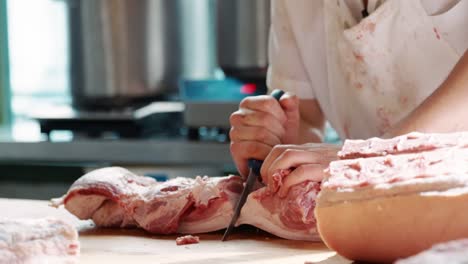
x=254, y=173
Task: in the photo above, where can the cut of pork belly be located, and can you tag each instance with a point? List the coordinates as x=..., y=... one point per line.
x=214, y=206
x=381, y=207
x=45, y=240
x=186, y=205
x=198, y=201
x=160, y=208
x=291, y=217
x=114, y=197
x=433, y=170
x=91, y=196
x=409, y=143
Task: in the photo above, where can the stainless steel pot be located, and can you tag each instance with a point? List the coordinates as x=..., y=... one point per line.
x=124, y=50
x=242, y=37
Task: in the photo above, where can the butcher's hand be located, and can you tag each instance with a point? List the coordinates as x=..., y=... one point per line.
x=261, y=123
x=305, y=162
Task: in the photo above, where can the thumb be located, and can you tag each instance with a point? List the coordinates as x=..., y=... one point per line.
x=290, y=105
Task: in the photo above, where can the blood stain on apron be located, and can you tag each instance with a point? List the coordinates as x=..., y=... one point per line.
x=380, y=63
x=437, y=33
x=370, y=27
x=403, y=100
x=384, y=117
x=358, y=56
x=346, y=129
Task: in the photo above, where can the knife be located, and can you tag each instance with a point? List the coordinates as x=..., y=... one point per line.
x=254, y=173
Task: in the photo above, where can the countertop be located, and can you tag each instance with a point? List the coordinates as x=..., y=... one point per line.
x=132, y=152
x=136, y=246
x=23, y=143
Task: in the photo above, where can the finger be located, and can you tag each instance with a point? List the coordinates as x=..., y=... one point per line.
x=241, y=151
x=306, y=172
x=266, y=104
x=241, y=165
x=237, y=118
x=292, y=158
x=249, y=133
x=244, y=117
x=290, y=104
x=272, y=156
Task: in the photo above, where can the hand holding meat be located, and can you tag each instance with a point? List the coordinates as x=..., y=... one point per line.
x=260, y=124
x=298, y=162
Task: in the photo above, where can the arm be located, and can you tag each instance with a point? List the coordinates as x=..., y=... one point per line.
x=445, y=110
x=287, y=71
x=312, y=122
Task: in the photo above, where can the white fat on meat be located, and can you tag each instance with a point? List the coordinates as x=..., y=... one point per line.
x=45, y=240
x=222, y=193
x=110, y=214
x=163, y=205
x=291, y=217
x=204, y=189
x=397, y=168
x=216, y=221
x=409, y=143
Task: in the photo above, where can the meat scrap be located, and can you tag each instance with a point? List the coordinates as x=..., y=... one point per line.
x=186, y=240
x=45, y=240
x=453, y=252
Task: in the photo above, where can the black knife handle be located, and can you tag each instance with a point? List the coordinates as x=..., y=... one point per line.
x=277, y=93
x=255, y=165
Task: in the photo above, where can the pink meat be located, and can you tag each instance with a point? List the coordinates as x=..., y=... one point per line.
x=409, y=143
x=453, y=252
x=363, y=172
x=115, y=197
x=186, y=240
x=290, y=217
x=38, y=241
x=277, y=179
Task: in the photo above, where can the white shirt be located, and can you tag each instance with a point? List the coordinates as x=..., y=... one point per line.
x=299, y=60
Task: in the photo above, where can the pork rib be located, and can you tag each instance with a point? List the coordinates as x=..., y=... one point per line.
x=38, y=241
x=116, y=197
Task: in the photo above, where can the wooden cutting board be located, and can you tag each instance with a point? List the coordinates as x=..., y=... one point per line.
x=246, y=245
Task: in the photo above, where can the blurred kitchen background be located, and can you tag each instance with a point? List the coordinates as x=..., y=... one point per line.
x=147, y=84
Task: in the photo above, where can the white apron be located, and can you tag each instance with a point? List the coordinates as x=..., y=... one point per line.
x=383, y=67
